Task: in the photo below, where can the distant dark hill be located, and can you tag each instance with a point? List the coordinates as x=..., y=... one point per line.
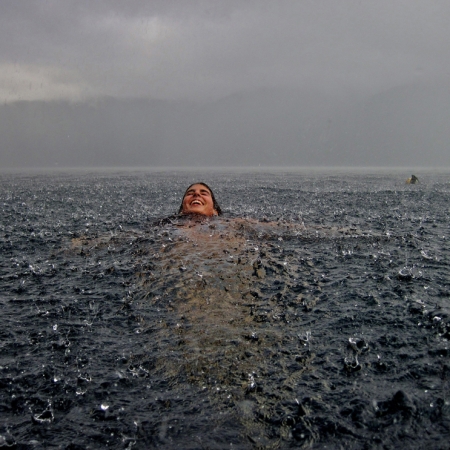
x=403, y=126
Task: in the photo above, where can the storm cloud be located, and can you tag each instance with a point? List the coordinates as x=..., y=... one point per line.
x=224, y=82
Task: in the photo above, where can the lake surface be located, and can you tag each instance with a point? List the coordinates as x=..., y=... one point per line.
x=315, y=313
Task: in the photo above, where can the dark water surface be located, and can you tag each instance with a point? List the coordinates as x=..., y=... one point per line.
x=325, y=323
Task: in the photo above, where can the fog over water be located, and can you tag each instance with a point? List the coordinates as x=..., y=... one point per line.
x=209, y=83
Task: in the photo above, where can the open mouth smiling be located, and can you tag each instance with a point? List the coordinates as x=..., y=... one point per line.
x=198, y=199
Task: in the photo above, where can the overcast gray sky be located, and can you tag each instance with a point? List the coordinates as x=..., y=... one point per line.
x=207, y=49
x=224, y=82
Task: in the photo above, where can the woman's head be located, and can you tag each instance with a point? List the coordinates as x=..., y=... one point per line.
x=199, y=199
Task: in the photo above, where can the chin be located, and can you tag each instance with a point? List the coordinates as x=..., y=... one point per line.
x=201, y=213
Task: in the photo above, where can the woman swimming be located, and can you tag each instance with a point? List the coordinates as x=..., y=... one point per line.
x=199, y=199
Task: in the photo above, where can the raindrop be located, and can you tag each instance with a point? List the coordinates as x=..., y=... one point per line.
x=352, y=365
x=305, y=339
x=358, y=345
x=405, y=274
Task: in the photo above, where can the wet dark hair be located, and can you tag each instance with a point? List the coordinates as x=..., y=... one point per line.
x=215, y=204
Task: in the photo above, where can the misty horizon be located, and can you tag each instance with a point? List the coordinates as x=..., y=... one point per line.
x=404, y=127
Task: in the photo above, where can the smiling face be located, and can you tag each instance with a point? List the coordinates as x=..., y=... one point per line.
x=198, y=200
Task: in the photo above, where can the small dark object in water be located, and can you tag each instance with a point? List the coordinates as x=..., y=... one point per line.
x=412, y=180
